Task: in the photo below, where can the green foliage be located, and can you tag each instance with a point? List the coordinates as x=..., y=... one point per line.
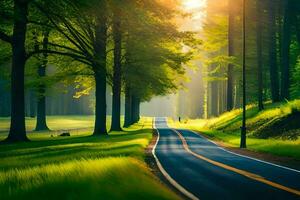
x=153, y=51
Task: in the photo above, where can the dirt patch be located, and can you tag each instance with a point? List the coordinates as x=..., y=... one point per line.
x=151, y=162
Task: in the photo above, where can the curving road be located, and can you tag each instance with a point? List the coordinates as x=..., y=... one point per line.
x=202, y=170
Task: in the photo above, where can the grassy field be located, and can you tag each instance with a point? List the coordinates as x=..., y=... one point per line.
x=80, y=166
x=226, y=128
x=76, y=125
x=55, y=122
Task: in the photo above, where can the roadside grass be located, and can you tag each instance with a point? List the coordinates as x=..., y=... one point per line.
x=226, y=128
x=106, y=178
x=81, y=167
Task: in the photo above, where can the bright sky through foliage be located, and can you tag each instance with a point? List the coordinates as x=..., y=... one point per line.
x=197, y=10
x=193, y=4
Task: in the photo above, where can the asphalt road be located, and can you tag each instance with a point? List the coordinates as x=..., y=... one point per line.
x=202, y=170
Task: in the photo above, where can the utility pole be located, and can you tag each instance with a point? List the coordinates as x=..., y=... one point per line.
x=243, y=128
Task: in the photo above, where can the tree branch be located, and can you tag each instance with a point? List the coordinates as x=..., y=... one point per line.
x=60, y=30
x=79, y=58
x=40, y=24
x=66, y=48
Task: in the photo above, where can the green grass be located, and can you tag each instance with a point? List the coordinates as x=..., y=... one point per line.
x=76, y=125
x=54, y=122
x=107, y=178
x=81, y=166
x=226, y=128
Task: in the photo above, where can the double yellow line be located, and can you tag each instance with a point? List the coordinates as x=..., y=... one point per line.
x=233, y=169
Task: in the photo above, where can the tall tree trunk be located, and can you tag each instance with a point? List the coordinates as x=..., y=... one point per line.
x=138, y=103
x=100, y=72
x=134, y=109
x=259, y=55
x=298, y=29
x=100, y=112
x=230, y=53
x=116, y=103
x=41, y=122
x=286, y=42
x=214, y=98
x=128, y=114
x=32, y=103
x=17, y=127
x=274, y=76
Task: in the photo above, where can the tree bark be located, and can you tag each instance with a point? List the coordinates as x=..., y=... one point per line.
x=138, y=109
x=214, y=98
x=41, y=122
x=100, y=72
x=17, y=128
x=116, y=103
x=100, y=111
x=32, y=104
x=230, y=53
x=128, y=104
x=274, y=76
x=259, y=55
x=133, y=109
x=286, y=42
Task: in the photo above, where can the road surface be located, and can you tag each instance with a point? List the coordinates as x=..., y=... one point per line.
x=202, y=170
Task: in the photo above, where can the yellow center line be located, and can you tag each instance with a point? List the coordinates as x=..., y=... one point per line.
x=239, y=171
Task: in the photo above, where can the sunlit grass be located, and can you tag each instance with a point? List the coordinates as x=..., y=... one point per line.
x=108, y=178
x=75, y=125
x=226, y=128
x=81, y=166
x=46, y=149
x=54, y=122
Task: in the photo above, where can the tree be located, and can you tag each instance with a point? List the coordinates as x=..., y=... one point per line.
x=231, y=23
x=273, y=52
x=259, y=55
x=154, y=61
x=41, y=123
x=117, y=68
x=17, y=40
x=85, y=40
x=286, y=42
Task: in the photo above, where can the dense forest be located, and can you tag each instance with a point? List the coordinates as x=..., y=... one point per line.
x=69, y=49
x=272, y=53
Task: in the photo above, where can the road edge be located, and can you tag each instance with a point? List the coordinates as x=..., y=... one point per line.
x=231, y=151
x=157, y=168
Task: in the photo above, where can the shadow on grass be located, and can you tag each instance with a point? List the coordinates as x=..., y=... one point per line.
x=28, y=154
x=251, y=112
